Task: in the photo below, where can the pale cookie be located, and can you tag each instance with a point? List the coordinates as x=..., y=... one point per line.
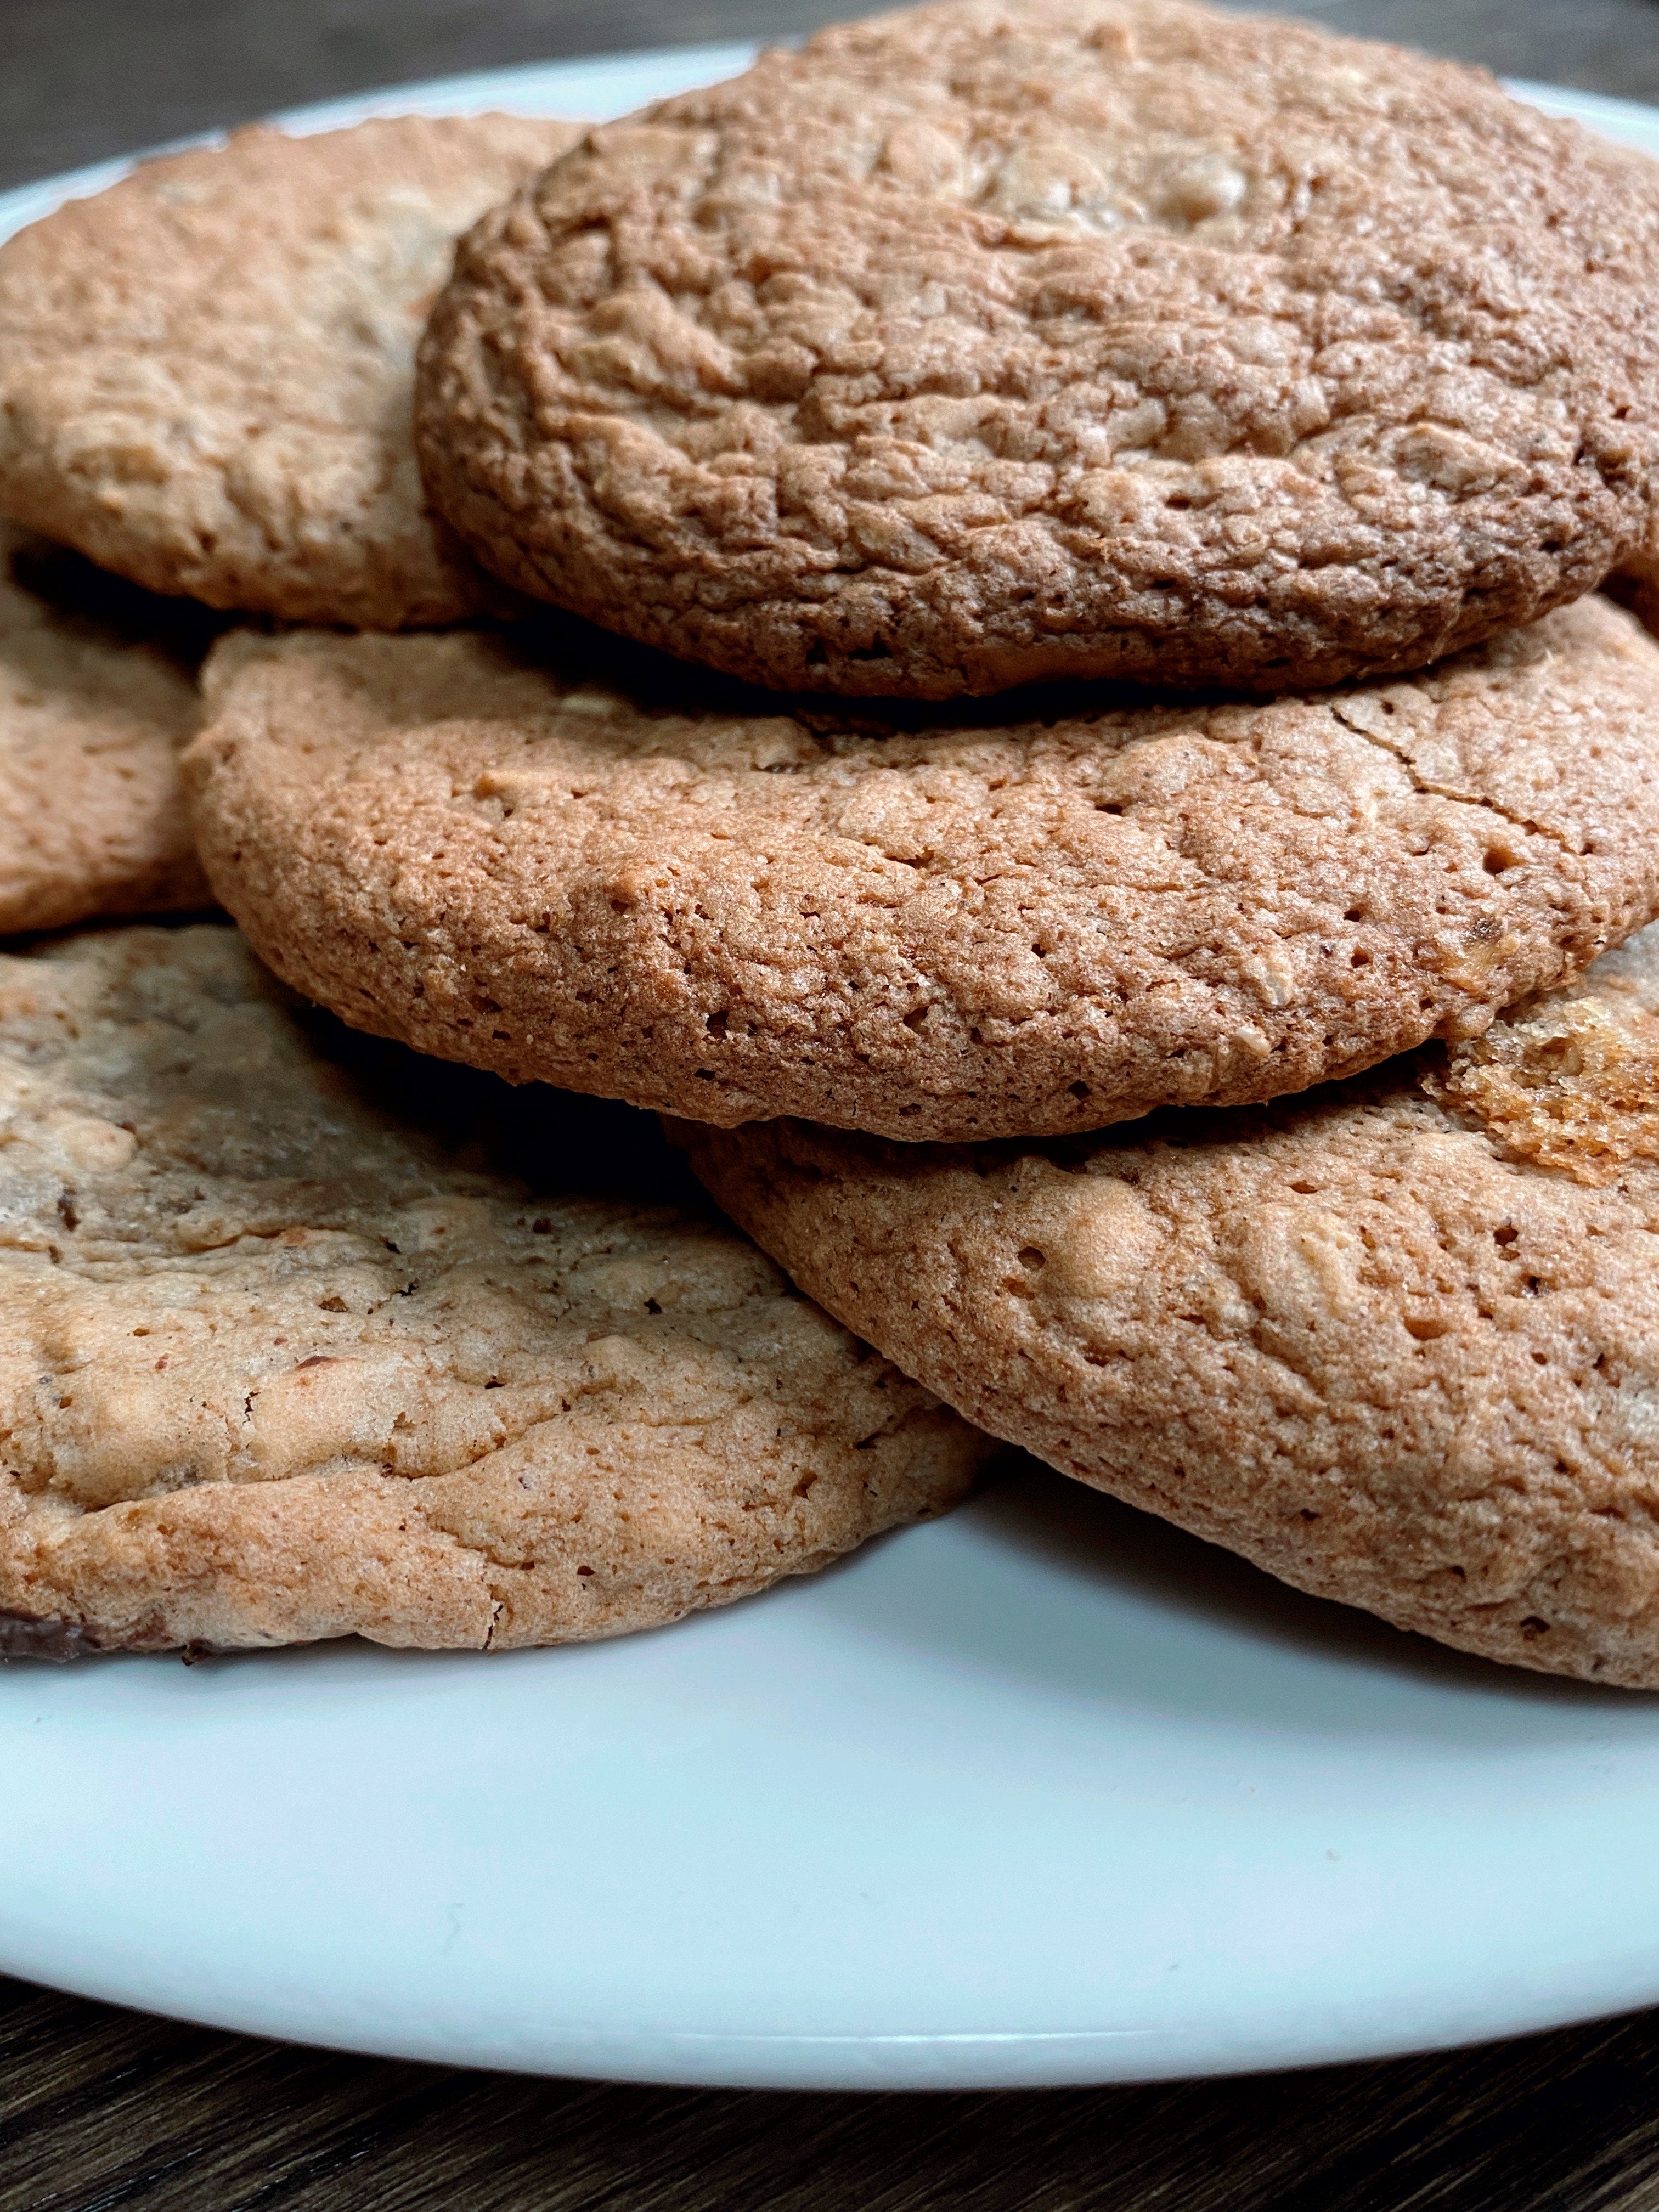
x=277, y=1365
x=1396, y=1342
x=1016, y=339
x=965, y=930
x=95, y=704
x=205, y=371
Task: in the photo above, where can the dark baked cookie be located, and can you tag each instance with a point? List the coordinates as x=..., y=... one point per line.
x=966, y=930
x=1014, y=339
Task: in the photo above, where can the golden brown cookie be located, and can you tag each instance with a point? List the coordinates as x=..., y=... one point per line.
x=280, y=1363
x=959, y=931
x=97, y=699
x=205, y=371
x=1007, y=340
x=1397, y=1342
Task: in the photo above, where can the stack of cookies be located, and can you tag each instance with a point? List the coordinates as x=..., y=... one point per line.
x=998, y=619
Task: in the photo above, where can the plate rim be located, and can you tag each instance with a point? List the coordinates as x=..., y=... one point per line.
x=1021, y=2059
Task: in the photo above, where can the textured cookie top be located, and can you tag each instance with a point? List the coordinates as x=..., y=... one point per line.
x=1006, y=340
x=950, y=932
x=1397, y=1342
x=205, y=371
x=95, y=703
x=279, y=1363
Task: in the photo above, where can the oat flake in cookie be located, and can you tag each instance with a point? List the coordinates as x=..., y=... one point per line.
x=1397, y=1342
x=1015, y=339
x=205, y=371
x=277, y=1365
x=97, y=700
x=969, y=930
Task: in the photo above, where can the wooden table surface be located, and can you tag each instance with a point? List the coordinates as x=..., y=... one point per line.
x=100, y=2109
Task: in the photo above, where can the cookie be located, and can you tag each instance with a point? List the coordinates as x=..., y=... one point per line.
x=280, y=1363
x=97, y=699
x=942, y=932
x=205, y=371
x=1396, y=1341
x=1012, y=340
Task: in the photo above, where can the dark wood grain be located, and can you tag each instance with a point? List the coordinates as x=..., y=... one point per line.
x=101, y=2109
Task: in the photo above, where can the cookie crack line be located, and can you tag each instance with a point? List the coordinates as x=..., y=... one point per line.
x=1428, y=790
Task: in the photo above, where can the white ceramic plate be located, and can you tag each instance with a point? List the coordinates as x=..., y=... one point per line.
x=1045, y=1793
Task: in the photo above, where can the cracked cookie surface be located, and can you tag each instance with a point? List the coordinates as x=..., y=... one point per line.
x=206, y=371
x=958, y=930
x=1396, y=1341
x=96, y=703
x=279, y=1363
x=1010, y=340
